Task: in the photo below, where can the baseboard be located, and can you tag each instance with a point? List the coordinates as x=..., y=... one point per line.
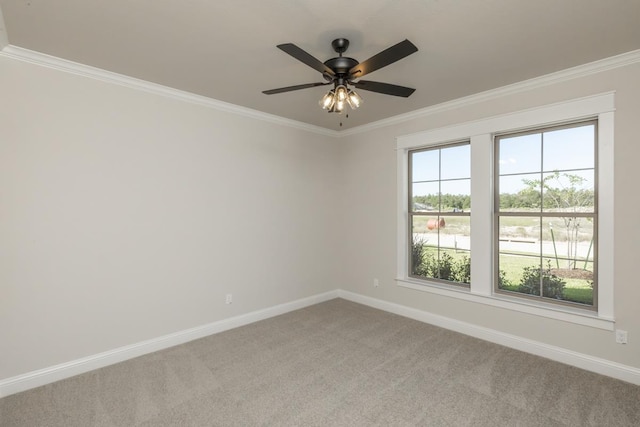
x=65, y=370
x=590, y=363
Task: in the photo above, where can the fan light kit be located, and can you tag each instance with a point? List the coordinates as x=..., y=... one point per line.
x=334, y=100
x=342, y=72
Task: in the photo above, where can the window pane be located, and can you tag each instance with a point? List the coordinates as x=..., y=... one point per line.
x=425, y=229
x=576, y=286
x=441, y=182
x=455, y=243
x=519, y=235
x=425, y=196
x=520, y=193
x=455, y=162
x=517, y=273
x=455, y=232
x=456, y=195
x=568, y=250
x=441, y=248
x=569, y=191
x=425, y=165
x=569, y=241
x=518, y=253
x=520, y=154
x=572, y=148
x=424, y=249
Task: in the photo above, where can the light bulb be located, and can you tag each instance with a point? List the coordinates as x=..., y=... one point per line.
x=339, y=107
x=354, y=99
x=327, y=100
x=341, y=93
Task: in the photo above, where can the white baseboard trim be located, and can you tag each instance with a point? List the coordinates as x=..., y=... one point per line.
x=65, y=370
x=590, y=363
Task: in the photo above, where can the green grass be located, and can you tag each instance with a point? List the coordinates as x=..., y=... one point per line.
x=578, y=295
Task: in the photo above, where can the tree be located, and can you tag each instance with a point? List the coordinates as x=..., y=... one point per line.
x=446, y=202
x=562, y=192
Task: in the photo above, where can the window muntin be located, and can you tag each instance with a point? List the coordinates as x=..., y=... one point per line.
x=439, y=213
x=546, y=214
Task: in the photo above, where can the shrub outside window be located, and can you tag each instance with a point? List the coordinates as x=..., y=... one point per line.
x=439, y=213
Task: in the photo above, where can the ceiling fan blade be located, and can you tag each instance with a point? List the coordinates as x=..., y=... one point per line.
x=382, y=59
x=290, y=88
x=385, y=88
x=306, y=58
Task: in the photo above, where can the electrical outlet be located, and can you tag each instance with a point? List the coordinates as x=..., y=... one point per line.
x=228, y=299
x=621, y=336
x=376, y=283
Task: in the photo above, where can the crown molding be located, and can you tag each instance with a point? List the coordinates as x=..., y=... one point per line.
x=60, y=64
x=590, y=68
x=64, y=65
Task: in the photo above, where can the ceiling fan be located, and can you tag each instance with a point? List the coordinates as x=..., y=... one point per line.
x=342, y=72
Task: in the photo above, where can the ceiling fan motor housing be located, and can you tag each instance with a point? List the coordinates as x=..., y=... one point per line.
x=341, y=64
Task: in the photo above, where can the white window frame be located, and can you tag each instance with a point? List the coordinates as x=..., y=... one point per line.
x=439, y=212
x=480, y=133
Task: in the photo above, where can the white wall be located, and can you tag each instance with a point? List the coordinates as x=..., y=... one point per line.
x=125, y=216
x=370, y=203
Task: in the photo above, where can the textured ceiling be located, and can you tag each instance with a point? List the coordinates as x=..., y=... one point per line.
x=226, y=49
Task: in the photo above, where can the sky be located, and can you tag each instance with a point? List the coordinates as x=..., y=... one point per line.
x=520, y=157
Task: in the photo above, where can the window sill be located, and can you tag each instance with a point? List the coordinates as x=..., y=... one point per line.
x=565, y=314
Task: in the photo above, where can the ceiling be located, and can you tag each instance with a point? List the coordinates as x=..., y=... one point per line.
x=226, y=49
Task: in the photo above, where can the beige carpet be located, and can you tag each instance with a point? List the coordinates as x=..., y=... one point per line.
x=333, y=364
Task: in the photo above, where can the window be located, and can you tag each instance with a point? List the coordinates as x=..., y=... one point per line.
x=528, y=195
x=440, y=203
x=546, y=214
